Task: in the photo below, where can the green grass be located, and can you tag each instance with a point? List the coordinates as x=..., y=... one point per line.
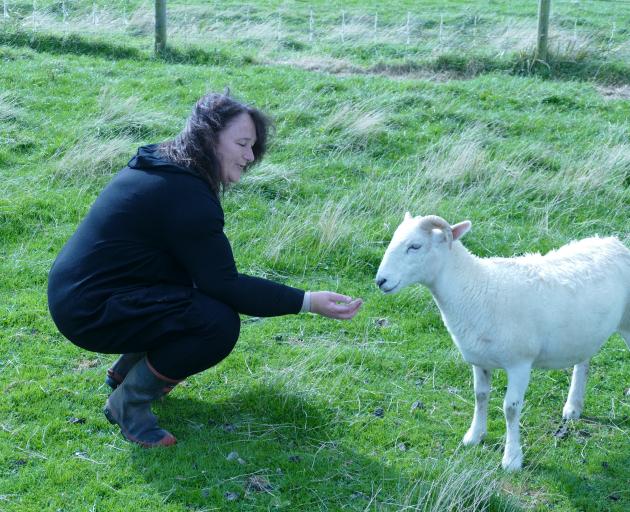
x=534, y=156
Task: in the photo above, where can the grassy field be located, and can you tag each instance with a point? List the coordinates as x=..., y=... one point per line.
x=307, y=413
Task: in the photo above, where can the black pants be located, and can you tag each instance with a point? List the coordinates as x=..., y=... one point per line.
x=182, y=330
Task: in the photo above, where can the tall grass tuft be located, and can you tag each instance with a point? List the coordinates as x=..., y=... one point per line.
x=457, y=484
x=105, y=142
x=285, y=230
x=335, y=224
x=270, y=179
x=513, y=36
x=608, y=167
x=354, y=124
x=9, y=108
x=92, y=158
x=454, y=166
x=122, y=116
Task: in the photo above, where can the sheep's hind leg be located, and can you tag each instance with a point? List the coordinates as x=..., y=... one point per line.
x=575, y=401
x=477, y=430
x=624, y=326
x=518, y=380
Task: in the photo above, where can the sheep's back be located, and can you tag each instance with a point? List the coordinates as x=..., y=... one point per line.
x=574, y=266
x=553, y=310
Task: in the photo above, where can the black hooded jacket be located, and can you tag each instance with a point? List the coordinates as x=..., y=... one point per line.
x=154, y=224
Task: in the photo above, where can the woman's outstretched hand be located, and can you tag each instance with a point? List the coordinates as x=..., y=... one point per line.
x=334, y=305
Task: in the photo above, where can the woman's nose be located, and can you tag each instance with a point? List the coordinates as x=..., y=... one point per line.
x=249, y=154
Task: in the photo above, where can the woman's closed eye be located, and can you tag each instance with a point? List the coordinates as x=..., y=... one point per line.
x=414, y=247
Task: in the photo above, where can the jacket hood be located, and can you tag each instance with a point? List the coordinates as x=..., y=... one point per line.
x=148, y=158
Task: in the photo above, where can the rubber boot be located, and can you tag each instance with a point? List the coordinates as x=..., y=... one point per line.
x=119, y=370
x=129, y=406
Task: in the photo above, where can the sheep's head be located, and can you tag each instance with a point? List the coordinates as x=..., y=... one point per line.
x=417, y=252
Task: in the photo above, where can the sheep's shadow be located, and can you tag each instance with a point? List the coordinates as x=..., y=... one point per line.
x=265, y=447
x=596, y=475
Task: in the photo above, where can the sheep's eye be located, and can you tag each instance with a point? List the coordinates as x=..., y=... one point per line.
x=413, y=247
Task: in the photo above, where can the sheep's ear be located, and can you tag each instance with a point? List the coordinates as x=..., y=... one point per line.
x=460, y=229
x=408, y=216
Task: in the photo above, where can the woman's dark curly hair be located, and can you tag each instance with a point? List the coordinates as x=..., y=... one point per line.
x=195, y=146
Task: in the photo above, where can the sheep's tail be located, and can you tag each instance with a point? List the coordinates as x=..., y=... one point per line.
x=624, y=326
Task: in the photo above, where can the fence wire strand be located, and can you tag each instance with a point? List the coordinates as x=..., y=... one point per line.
x=498, y=25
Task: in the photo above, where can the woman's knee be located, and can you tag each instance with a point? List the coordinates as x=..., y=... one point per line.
x=230, y=327
x=221, y=323
x=221, y=337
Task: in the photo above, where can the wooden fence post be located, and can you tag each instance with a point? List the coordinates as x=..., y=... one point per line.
x=543, y=30
x=160, y=26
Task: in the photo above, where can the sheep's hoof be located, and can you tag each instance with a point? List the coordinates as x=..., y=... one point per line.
x=472, y=438
x=512, y=462
x=571, y=412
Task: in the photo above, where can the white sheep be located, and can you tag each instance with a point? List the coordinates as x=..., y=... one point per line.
x=552, y=311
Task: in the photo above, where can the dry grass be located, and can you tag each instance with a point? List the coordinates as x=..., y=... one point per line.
x=336, y=224
x=457, y=161
x=286, y=229
x=609, y=166
x=106, y=141
x=269, y=175
x=9, y=107
x=621, y=92
x=354, y=124
x=92, y=157
x=456, y=485
x=515, y=35
x=321, y=63
x=124, y=116
x=456, y=166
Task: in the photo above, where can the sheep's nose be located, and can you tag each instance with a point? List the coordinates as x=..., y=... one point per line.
x=380, y=281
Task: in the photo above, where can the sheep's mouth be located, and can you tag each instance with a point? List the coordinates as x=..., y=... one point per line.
x=390, y=289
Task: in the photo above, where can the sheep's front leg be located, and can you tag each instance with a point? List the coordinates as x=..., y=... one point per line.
x=575, y=401
x=477, y=430
x=518, y=380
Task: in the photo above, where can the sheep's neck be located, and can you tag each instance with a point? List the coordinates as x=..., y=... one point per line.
x=460, y=284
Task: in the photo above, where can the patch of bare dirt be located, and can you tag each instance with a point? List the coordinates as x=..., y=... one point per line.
x=618, y=92
x=346, y=68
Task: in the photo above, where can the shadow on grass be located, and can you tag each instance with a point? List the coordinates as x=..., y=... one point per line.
x=70, y=44
x=466, y=66
x=93, y=46
x=264, y=447
x=594, y=480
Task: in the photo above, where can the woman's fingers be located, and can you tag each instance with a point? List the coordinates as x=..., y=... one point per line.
x=344, y=311
x=334, y=305
x=337, y=297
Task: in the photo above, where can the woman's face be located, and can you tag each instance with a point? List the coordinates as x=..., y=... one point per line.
x=234, y=148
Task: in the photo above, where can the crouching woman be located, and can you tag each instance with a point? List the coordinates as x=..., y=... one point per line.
x=149, y=272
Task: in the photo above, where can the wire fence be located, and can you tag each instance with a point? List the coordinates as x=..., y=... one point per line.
x=496, y=26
